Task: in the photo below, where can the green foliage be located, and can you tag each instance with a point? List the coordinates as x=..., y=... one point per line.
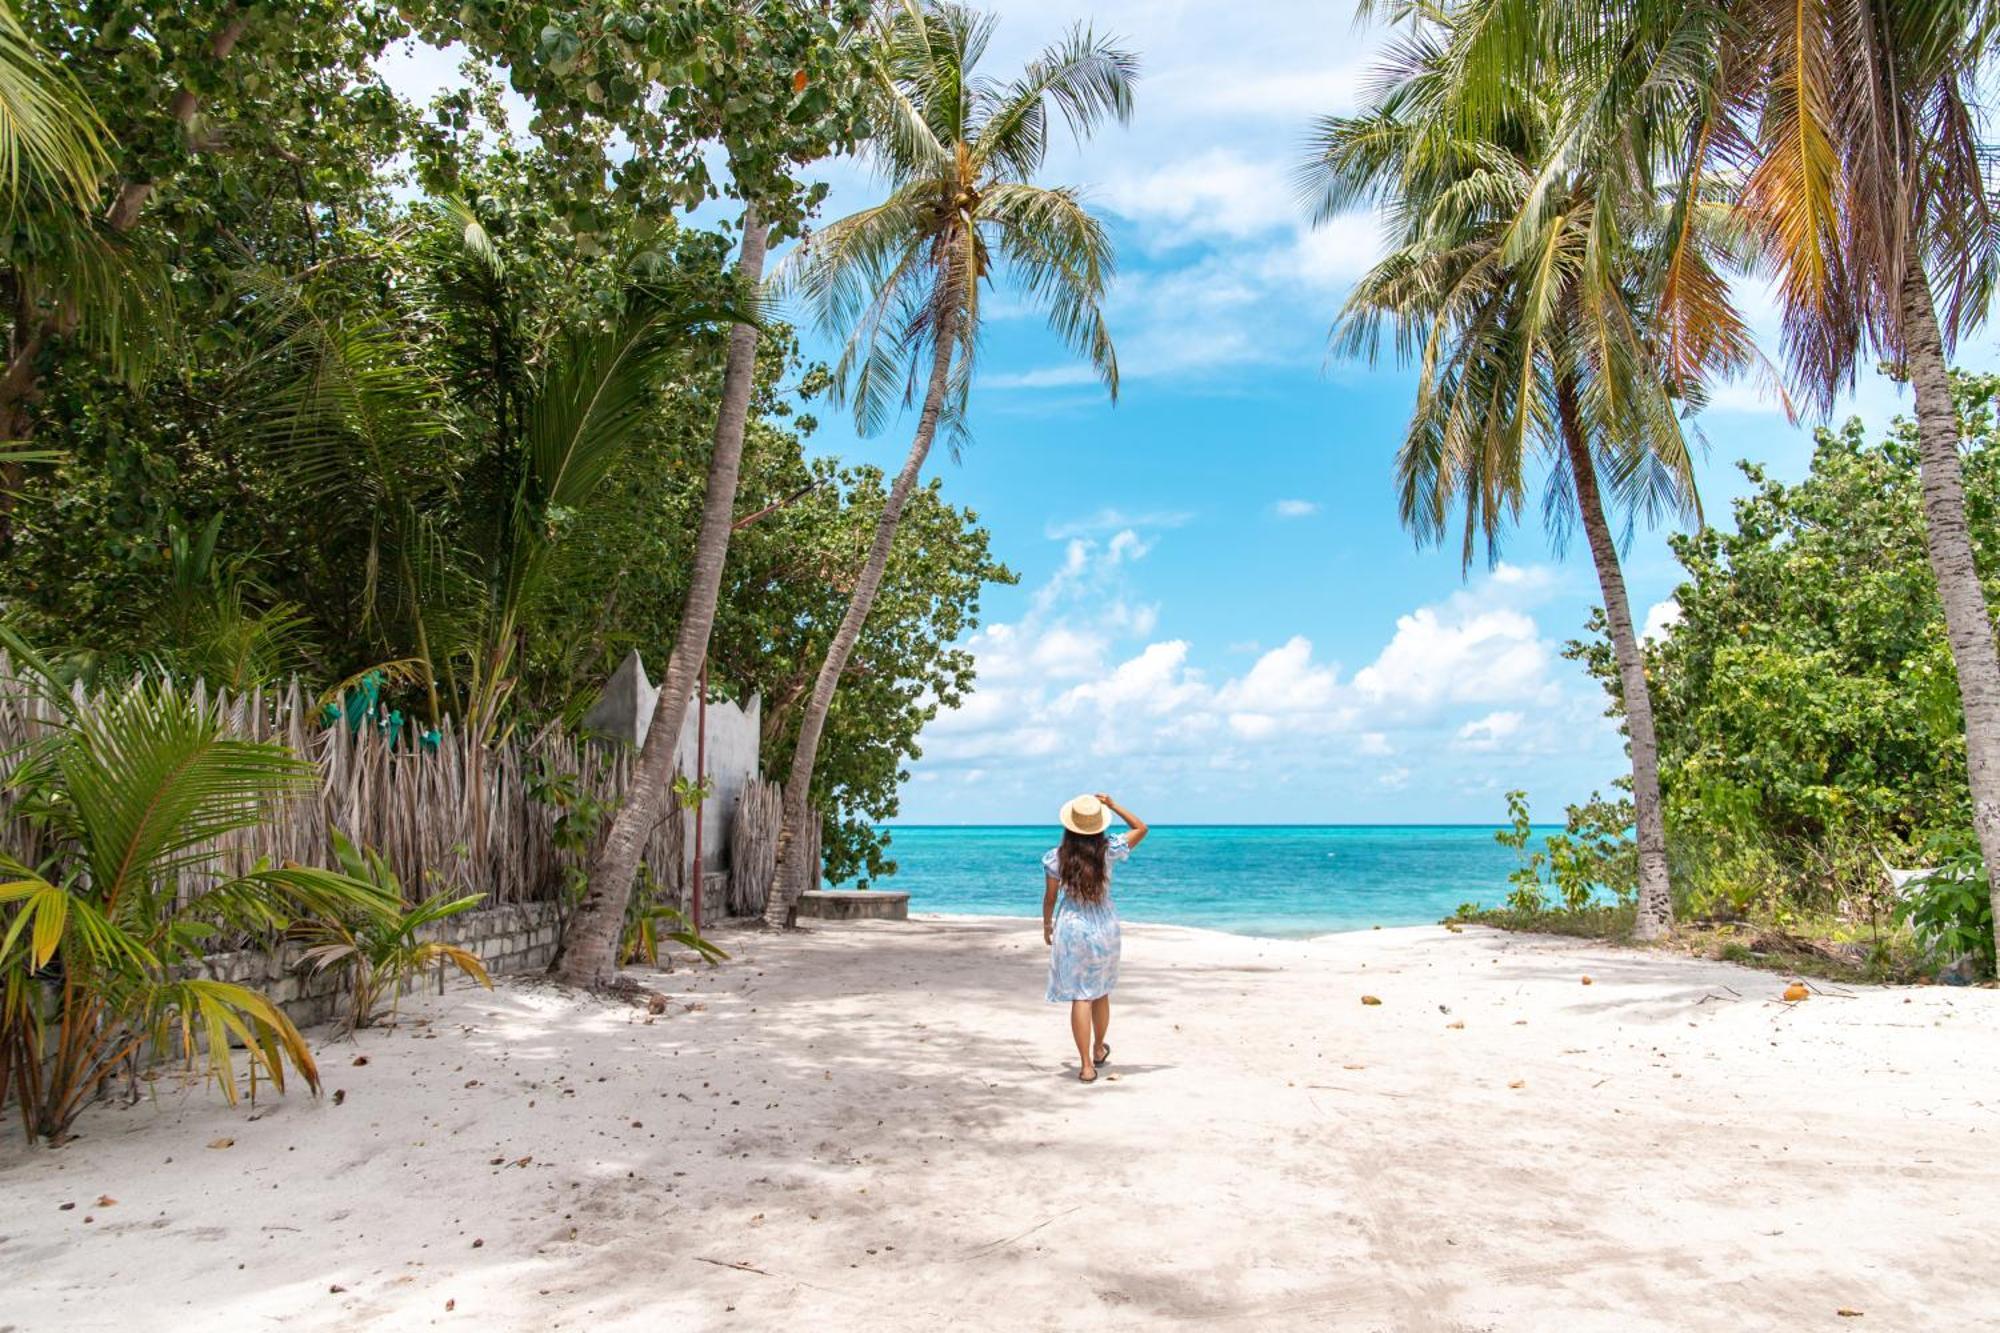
x=638, y=93
x=379, y=953
x=1806, y=703
x=377, y=394
x=1592, y=859
x=651, y=921
x=784, y=591
x=1950, y=911
x=580, y=817
x=123, y=804
x=691, y=794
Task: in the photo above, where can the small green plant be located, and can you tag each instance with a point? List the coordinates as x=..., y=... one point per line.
x=579, y=818
x=690, y=793
x=1527, y=896
x=650, y=920
x=1951, y=911
x=379, y=954
x=100, y=940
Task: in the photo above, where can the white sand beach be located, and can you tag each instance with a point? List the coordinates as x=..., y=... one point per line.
x=876, y=1126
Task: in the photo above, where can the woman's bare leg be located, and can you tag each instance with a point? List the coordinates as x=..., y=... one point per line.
x=1100, y=1020
x=1079, y=1028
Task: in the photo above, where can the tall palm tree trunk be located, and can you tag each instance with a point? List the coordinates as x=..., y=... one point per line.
x=1967, y=621
x=1656, y=908
x=589, y=954
x=790, y=880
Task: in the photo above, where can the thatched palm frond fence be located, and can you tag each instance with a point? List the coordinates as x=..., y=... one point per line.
x=458, y=815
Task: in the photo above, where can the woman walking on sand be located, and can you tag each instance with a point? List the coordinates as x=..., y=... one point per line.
x=1080, y=925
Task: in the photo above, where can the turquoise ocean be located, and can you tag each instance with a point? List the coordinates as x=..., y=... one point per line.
x=1253, y=879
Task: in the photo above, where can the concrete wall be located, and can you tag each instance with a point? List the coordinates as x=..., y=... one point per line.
x=515, y=938
x=734, y=737
x=624, y=713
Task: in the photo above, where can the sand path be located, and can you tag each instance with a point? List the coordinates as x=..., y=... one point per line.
x=875, y=1126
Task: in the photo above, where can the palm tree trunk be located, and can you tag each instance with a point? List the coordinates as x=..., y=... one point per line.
x=1968, y=622
x=1656, y=907
x=790, y=881
x=590, y=948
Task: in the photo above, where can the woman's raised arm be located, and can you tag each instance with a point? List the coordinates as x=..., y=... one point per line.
x=1135, y=827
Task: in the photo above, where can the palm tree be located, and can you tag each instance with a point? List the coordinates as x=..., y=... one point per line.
x=126, y=808
x=54, y=152
x=1849, y=134
x=590, y=945
x=901, y=282
x=1527, y=290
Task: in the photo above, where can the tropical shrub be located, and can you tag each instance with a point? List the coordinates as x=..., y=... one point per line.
x=379, y=953
x=1950, y=911
x=650, y=921
x=1807, y=706
x=115, y=888
x=1591, y=864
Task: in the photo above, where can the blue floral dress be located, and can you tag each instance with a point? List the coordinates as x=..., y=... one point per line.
x=1083, y=963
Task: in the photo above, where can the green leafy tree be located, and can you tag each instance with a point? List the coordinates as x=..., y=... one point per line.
x=1808, y=711
x=902, y=282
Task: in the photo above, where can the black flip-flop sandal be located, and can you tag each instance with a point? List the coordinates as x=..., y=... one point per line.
x=1081, y=1079
x=1105, y=1058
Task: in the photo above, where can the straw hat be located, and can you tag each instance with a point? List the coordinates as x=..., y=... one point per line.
x=1083, y=814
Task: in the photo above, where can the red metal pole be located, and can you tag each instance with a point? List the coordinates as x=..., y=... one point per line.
x=700, y=773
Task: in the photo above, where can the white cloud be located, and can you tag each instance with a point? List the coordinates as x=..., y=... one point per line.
x=1285, y=686
x=1111, y=520
x=1295, y=508
x=1458, y=653
x=1213, y=193
x=1661, y=617
x=1082, y=679
x=1488, y=732
x=1127, y=545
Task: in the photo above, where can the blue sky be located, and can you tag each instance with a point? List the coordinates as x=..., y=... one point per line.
x=1219, y=618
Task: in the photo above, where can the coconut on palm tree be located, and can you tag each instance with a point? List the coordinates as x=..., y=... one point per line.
x=1526, y=290
x=902, y=282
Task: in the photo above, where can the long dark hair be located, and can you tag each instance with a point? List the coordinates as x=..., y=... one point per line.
x=1085, y=874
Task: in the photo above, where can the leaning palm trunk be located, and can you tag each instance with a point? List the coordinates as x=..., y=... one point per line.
x=1656, y=910
x=790, y=880
x=589, y=954
x=1968, y=623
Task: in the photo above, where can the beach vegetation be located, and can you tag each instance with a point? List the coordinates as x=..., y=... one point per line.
x=651, y=921
x=377, y=955
x=1810, y=729
x=121, y=886
x=367, y=385
x=1850, y=150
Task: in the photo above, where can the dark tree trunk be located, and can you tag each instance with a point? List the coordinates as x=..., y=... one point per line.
x=590, y=947
x=789, y=882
